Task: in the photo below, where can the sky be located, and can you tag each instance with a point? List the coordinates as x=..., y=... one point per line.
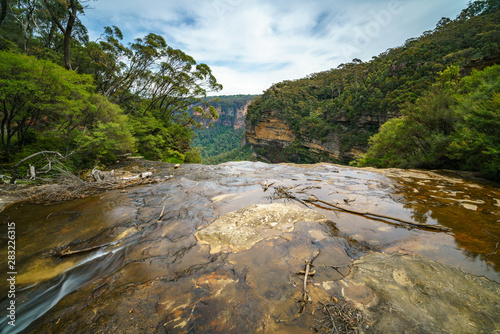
x=252, y=44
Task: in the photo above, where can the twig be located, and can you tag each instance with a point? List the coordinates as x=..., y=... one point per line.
x=331, y=317
x=490, y=233
x=495, y=251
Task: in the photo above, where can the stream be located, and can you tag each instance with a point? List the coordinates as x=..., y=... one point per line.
x=158, y=258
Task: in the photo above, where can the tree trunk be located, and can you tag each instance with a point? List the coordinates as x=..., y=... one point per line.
x=73, y=10
x=3, y=12
x=67, y=34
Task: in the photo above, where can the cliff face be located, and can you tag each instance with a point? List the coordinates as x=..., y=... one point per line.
x=229, y=116
x=234, y=117
x=272, y=138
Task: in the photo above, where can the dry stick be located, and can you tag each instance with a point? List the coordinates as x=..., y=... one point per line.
x=16, y=166
x=162, y=210
x=307, y=273
x=305, y=296
x=313, y=199
x=67, y=252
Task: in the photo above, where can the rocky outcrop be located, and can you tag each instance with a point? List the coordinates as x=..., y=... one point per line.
x=269, y=131
x=271, y=136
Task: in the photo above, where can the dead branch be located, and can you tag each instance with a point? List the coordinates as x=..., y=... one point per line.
x=281, y=192
x=68, y=252
x=313, y=199
x=16, y=166
x=162, y=210
x=305, y=298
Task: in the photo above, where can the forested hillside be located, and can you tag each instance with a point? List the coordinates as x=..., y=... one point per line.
x=90, y=101
x=355, y=99
x=221, y=140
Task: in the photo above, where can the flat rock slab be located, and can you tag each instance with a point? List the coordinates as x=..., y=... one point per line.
x=410, y=294
x=240, y=230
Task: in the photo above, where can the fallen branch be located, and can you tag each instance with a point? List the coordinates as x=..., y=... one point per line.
x=16, y=166
x=313, y=199
x=162, y=210
x=305, y=298
x=68, y=252
x=281, y=192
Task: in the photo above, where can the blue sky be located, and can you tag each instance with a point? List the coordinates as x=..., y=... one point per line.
x=251, y=44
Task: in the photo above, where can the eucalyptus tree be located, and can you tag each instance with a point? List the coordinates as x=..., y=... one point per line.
x=155, y=84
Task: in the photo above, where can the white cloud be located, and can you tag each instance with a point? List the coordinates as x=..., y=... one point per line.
x=251, y=44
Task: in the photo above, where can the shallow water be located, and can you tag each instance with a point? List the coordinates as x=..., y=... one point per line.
x=152, y=275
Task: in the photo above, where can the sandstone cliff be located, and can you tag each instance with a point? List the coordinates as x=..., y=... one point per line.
x=274, y=141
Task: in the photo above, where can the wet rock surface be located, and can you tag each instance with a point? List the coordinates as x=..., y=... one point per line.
x=410, y=294
x=217, y=249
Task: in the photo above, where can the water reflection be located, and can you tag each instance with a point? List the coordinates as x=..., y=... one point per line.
x=470, y=209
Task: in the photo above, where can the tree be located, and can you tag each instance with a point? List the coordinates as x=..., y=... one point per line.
x=42, y=103
x=476, y=143
x=453, y=125
x=156, y=84
x=32, y=90
x=72, y=8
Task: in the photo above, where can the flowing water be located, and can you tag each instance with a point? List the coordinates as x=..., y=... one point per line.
x=142, y=272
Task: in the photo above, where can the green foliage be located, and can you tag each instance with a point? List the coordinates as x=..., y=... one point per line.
x=45, y=107
x=222, y=141
x=108, y=134
x=34, y=91
x=476, y=143
x=244, y=153
x=217, y=140
x=455, y=124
